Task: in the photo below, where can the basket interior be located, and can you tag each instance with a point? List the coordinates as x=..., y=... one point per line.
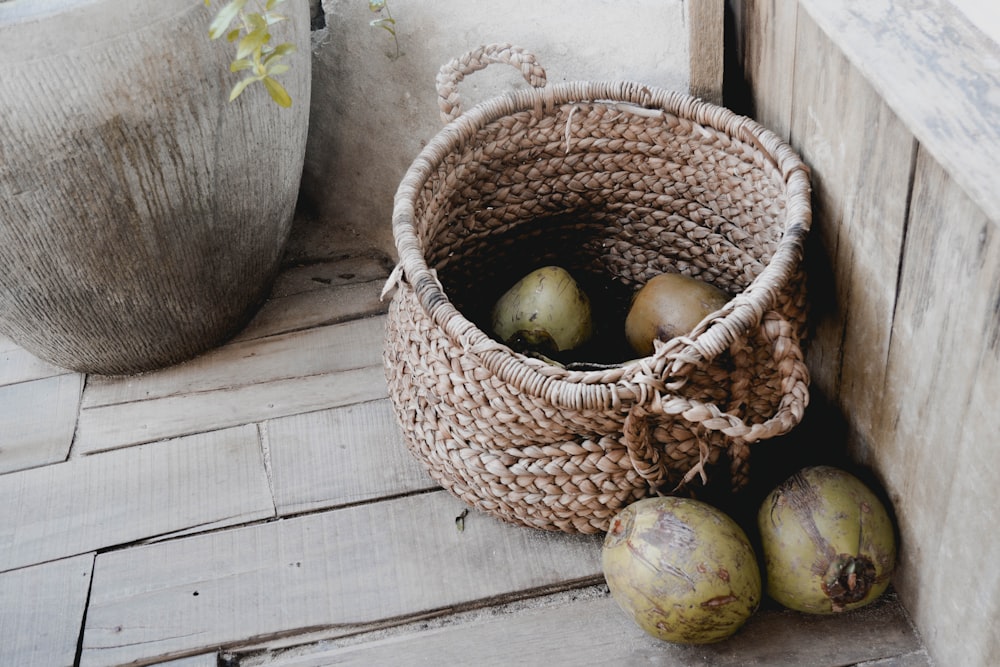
x=634, y=195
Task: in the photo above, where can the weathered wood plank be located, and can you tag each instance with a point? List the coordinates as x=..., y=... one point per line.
x=587, y=628
x=336, y=570
x=331, y=273
x=973, y=511
x=37, y=421
x=861, y=158
x=340, y=456
x=705, y=33
x=916, y=659
x=937, y=72
x=768, y=39
x=203, y=660
x=316, y=308
x=120, y=425
x=41, y=612
x=320, y=293
x=100, y=501
x=19, y=365
x=983, y=15
x=344, y=346
x=935, y=443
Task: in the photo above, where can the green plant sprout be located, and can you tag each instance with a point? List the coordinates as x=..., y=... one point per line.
x=385, y=22
x=254, y=51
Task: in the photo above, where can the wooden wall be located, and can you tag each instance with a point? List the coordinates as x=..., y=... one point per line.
x=897, y=112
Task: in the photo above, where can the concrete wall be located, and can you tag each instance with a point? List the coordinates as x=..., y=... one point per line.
x=372, y=111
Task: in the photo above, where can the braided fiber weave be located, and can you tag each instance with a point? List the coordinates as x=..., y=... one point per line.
x=614, y=181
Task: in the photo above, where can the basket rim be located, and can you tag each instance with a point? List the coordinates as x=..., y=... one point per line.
x=635, y=381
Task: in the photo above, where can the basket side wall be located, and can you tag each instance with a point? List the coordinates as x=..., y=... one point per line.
x=889, y=113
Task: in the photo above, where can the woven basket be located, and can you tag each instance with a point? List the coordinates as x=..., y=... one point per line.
x=617, y=181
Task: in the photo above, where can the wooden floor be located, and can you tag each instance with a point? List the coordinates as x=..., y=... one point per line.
x=256, y=506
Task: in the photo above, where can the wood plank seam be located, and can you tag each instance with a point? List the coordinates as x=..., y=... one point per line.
x=350, y=345
x=217, y=527
x=359, y=385
x=72, y=452
x=902, y=259
x=357, y=503
x=265, y=450
x=251, y=332
x=83, y=616
x=337, y=635
x=229, y=387
x=792, y=140
x=89, y=504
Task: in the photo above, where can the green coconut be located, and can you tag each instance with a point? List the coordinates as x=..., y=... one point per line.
x=546, y=311
x=667, y=306
x=683, y=570
x=828, y=542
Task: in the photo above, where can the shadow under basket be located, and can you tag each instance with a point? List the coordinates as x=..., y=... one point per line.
x=616, y=182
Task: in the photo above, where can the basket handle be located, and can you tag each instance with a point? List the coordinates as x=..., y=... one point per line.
x=649, y=461
x=452, y=73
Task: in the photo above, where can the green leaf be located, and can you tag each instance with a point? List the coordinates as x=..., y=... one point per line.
x=240, y=65
x=279, y=51
x=376, y=5
x=386, y=24
x=253, y=49
x=252, y=42
x=240, y=87
x=256, y=21
x=220, y=24
x=277, y=92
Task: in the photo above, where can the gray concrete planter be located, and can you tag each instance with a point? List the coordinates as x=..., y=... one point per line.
x=142, y=217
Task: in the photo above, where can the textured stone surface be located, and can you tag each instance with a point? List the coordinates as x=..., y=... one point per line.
x=143, y=216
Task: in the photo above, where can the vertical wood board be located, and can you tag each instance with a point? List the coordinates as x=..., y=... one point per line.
x=768, y=38
x=340, y=456
x=37, y=421
x=114, y=426
x=935, y=443
x=971, y=585
x=861, y=158
x=101, y=501
x=41, y=612
x=337, y=570
x=705, y=19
